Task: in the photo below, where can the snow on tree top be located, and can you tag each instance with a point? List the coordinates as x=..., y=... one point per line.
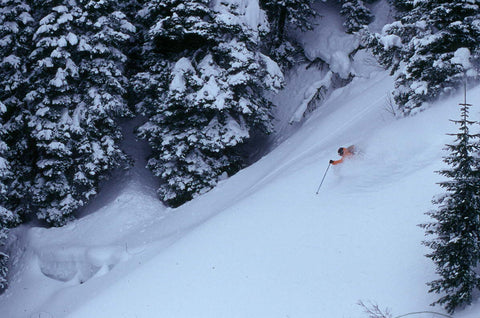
x=47, y=19
x=10, y=26
x=127, y=26
x=60, y=78
x=84, y=46
x=247, y=11
x=72, y=67
x=25, y=17
x=274, y=77
x=462, y=56
x=45, y=26
x=72, y=38
x=182, y=66
x=207, y=66
x=390, y=40
x=60, y=9
x=12, y=60
x=209, y=91
x=64, y=18
x=3, y=165
x=62, y=42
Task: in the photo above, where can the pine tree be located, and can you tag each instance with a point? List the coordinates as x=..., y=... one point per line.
x=105, y=36
x=285, y=16
x=285, y=13
x=77, y=93
x=7, y=218
x=356, y=14
x=16, y=30
x=5, y=174
x=431, y=34
x=202, y=94
x=4, y=257
x=456, y=246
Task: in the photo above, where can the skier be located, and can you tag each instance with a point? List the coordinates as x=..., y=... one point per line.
x=344, y=153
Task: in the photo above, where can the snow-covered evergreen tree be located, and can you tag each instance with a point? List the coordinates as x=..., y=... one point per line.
x=7, y=218
x=388, y=46
x=77, y=90
x=356, y=14
x=15, y=32
x=284, y=16
x=431, y=33
x=16, y=29
x=105, y=36
x=5, y=174
x=202, y=94
x=5, y=168
x=456, y=245
x=281, y=14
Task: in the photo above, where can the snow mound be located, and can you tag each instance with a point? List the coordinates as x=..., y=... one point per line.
x=318, y=87
x=79, y=264
x=329, y=42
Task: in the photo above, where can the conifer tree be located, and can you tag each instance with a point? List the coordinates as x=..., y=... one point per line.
x=7, y=218
x=281, y=14
x=356, y=14
x=106, y=34
x=456, y=226
x=5, y=169
x=77, y=91
x=202, y=94
x=285, y=16
x=5, y=214
x=16, y=30
x=431, y=33
x=15, y=34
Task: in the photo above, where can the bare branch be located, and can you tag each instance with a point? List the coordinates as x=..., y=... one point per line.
x=373, y=310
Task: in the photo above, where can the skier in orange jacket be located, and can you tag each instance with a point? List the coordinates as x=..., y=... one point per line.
x=345, y=153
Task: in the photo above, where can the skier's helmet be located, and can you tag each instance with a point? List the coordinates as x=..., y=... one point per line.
x=340, y=151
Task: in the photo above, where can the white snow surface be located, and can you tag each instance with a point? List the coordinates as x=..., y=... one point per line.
x=248, y=13
x=262, y=243
x=308, y=96
x=329, y=42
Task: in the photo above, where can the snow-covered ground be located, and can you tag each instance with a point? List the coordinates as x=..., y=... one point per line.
x=262, y=243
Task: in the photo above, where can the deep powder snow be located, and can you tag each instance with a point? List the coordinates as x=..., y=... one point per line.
x=262, y=243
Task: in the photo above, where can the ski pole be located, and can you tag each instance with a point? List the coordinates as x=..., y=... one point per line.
x=323, y=178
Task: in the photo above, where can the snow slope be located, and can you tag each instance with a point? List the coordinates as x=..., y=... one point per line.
x=262, y=243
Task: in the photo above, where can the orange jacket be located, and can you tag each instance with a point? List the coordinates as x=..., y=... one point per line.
x=346, y=153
